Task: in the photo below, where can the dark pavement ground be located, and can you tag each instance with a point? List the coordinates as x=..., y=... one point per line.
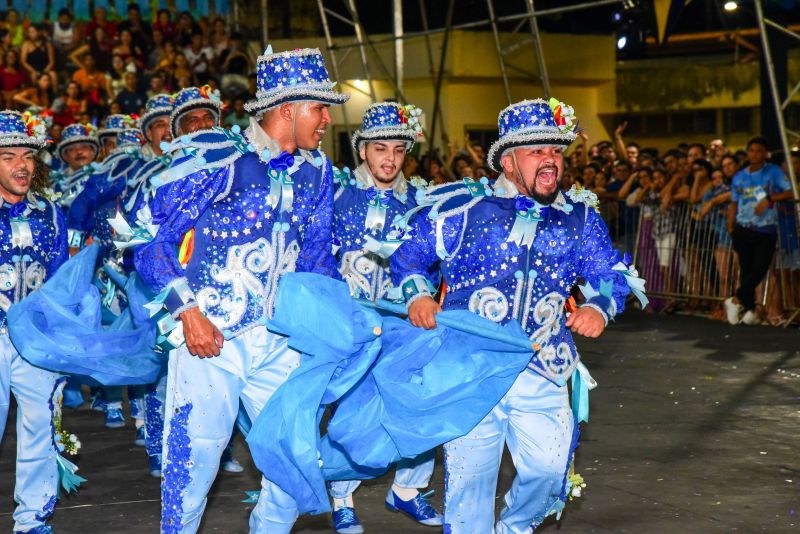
x=695, y=427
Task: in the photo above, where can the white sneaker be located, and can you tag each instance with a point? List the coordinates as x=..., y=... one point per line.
x=232, y=466
x=751, y=318
x=733, y=311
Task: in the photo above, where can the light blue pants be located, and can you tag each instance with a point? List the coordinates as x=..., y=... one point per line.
x=411, y=474
x=202, y=404
x=535, y=421
x=36, y=488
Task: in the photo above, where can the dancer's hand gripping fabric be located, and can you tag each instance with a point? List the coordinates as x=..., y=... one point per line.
x=422, y=313
x=203, y=339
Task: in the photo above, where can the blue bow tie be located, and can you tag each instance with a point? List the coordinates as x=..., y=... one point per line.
x=523, y=203
x=282, y=162
x=372, y=192
x=16, y=210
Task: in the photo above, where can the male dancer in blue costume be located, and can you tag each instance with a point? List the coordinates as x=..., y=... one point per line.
x=265, y=213
x=87, y=220
x=154, y=126
x=364, y=209
x=34, y=245
x=513, y=254
x=78, y=148
x=193, y=109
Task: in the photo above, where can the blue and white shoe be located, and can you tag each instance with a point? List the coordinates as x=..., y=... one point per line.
x=41, y=529
x=137, y=407
x=114, y=417
x=345, y=521
x=417, y=508
x=98, y=402
x=139, y=439
x=155, y=465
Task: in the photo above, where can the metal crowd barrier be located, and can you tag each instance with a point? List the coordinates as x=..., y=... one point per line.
x=786, y=267
x=687, y=258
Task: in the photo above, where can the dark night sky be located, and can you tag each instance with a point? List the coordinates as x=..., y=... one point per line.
x=698, y=16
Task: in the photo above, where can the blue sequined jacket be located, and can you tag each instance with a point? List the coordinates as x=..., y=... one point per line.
x=69, y=183
x=253, y=220
x=506, y=258
x=139, y=189
x=100, y=200
x=362, y=219
x=34, y=245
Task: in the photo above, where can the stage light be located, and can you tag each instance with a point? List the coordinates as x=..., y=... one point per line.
x=616, y=16
x=730, y=6
x=622, y=42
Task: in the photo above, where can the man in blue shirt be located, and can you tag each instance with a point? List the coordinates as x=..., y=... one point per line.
x=753, y=225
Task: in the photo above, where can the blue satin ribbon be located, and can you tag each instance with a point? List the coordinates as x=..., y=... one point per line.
x=632, y=279
x=169, y=335
x=281, y=185
x=70, y=481
x=582, y=383
x=529, y=214
x=239, y=142
x=378, y=204
x=384, y=248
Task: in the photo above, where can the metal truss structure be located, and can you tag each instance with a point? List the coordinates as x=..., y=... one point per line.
x=527, y=17
x=775, y=91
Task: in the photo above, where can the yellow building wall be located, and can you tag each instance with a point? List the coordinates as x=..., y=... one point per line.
x=472, y=88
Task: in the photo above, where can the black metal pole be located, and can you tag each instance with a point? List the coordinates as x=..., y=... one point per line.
x=440, y=75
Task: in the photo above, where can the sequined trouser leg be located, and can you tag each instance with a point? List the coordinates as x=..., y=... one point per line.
x=154, y=401
x=202, y=404
x=412, y=474
x=136, y=395
x=36, y=487
x=535, y=421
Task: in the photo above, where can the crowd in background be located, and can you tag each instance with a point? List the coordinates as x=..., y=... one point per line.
x=81, y=72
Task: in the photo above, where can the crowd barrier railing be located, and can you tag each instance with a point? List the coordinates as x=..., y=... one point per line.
x=684, y=256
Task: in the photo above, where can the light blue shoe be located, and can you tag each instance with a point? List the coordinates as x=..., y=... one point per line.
x=139, y=439
x=228, y=463
x=417, y=508
x=345, y=521
x=114, y=417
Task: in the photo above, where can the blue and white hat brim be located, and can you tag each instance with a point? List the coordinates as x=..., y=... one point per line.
x=22, y=141
x=536, y=137
x=179, y=111
x=150, y=116
x=63, y=145
x=384, y=134
x=295, y=93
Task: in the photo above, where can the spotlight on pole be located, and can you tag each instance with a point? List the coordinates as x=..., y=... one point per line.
x=730, y=6
x=622, y=42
